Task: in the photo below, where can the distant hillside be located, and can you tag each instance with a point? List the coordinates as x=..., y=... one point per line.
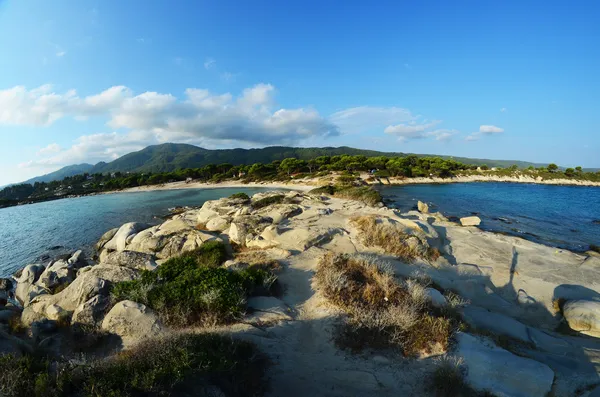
x=170, y=156
x=64, y=172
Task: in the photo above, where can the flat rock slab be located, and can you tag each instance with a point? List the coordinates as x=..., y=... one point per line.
x=491, y=368
x=268, y=309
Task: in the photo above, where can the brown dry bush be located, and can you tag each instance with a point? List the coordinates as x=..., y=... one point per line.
x=382, y=312
x=392, y=240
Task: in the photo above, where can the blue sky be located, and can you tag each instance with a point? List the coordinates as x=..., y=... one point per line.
x=84, y=81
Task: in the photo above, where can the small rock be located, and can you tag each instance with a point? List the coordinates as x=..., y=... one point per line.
x=470, y=221
x=435, y=297
x=524, y=299
x=423, y=208
x=324, y=211
x=6, y=284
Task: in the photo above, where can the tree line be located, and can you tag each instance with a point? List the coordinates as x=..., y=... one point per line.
x=380, y=167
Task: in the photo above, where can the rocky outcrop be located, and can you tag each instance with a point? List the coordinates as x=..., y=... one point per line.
x=82, y=289
x=91, y=311
x=106, y=237
x=490, y=368
x=56, y=275
x=132, y=322
x=125, y=232
x=130, y=259
x=583, y=316
x=169, y=239
x=423, y=208
x=470, y=221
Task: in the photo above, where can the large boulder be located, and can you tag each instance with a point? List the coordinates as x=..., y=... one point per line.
x=132, y=322
x=172, y=238
x=583, y=316
x=130, y=259
x=106, y=237
x=470, y=221
x=218, y=223
x=120, y=239
x=26, y=292
x=237, y=233
x=91, y=311
x=490, y=368
x=56, y=275
x=111, y=273
x=30, y=274
x=423, y=208
x=77, y=260
x=79, y=291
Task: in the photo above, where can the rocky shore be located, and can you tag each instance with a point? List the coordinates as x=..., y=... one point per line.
x=510, y=317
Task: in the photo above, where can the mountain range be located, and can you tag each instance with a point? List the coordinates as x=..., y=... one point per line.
x=171, y=156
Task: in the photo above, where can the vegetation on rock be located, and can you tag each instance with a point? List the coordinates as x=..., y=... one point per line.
x=375, y=233
x=193, y=289
x=183, y=364
x=382, y=312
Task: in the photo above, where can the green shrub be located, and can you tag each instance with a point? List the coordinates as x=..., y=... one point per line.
x=20, y=376
x=211, y=253
x=184, y=293
x=188, y=363
x=270, y=200
x=327, y=189
x=364, y=194
x=239, y=196
x=346, y=179
x=193, y=289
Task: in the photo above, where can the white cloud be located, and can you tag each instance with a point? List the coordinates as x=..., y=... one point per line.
x=51, y=148
x=201, y=117
x=490, y=129
x=412, y=130
x=443, y=134
x=209, y=63
x=61, y=53
x=484, y=130
x=503, y=110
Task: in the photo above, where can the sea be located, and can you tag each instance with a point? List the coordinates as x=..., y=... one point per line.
x=562, y=216
x=35, y=233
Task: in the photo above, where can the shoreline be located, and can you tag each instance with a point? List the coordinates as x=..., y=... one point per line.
x=308, y=184
x=483, y=178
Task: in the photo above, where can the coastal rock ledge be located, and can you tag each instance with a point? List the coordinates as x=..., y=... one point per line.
x=345, y=298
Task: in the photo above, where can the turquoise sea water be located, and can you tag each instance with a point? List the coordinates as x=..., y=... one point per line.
x=30, y=231
x=562, y=216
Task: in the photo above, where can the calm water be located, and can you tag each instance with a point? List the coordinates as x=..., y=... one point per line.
x=560, y=216
x=30, y=231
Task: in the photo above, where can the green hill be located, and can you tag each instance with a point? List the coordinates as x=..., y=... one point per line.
x=64, y=172
x=170, y=156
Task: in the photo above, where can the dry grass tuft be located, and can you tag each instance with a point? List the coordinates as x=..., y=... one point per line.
x=375, y=233
x=448, y=379
x=382, y=312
